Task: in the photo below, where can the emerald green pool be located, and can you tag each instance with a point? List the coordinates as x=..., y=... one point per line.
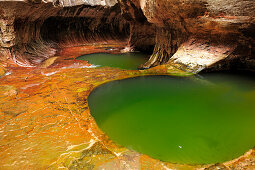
x=179, y=120
x=128, y=61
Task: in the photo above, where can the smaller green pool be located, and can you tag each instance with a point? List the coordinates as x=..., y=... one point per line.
x=128, y=61
x=179, y=120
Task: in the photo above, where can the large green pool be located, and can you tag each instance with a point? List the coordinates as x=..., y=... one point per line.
x=179, y=120
x=129, y=61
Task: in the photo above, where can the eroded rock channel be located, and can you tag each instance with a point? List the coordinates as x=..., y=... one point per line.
x=45, y=120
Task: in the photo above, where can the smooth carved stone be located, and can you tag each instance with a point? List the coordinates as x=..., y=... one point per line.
x=67, y=3
x=198, y=54
x=35, y=33
x=31, y=38
x=167, y=43
x=195, y=15
x=228, y=22
x=48, y=62
x=142, y=36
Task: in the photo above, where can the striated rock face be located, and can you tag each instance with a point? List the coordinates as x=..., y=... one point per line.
x=66, y=3
x=34, y=31
x=222, y=32
x=44, y=114
x=218, y=23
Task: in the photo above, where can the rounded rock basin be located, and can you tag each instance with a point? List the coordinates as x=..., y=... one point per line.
x=179, y=120
x=128, y=61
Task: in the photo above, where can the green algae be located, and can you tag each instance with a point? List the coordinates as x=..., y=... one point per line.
x=129, y=61
x=177, y=119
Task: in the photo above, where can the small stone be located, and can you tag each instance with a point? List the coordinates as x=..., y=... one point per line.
x=48, y=62
x=8, y=90
x=2, y=71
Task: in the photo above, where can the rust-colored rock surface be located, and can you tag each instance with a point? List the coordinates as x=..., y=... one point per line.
x=45, y=121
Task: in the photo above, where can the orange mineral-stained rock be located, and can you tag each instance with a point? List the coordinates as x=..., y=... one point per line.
x=45, y=121
x=2, y=71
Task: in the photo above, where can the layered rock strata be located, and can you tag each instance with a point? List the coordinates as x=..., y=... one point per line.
x=191, y=35
x=34, y=31
x=203, y=33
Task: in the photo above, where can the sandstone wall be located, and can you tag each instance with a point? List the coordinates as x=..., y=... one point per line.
x=226, y=27
x=34, y=31
x=171, y=26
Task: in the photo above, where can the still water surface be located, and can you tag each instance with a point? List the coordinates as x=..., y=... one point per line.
x=179, y=120
x=128, y=61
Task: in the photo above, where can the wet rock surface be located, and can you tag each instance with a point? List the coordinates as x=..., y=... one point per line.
x=46, y=122
x=44, y=117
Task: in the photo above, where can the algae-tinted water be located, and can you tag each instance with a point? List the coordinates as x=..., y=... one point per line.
x=129, y=61
x=179, y=120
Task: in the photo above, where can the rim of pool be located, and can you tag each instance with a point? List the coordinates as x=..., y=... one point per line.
x=135, y=77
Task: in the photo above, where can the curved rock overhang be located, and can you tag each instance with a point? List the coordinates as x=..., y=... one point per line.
x=202, y=34
x=33, y=32
x=190, y=35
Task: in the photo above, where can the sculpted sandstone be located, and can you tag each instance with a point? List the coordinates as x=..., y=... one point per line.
x=190, y=34
x=45, y=118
